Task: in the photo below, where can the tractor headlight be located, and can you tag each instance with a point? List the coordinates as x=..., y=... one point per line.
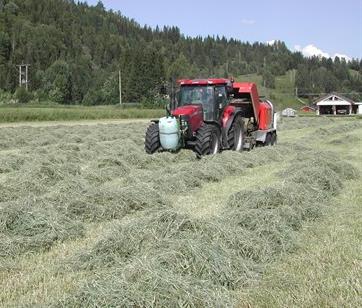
x=184, y=123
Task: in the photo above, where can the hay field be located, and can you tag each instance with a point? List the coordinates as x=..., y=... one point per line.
x=41, y=113
x=88, y=219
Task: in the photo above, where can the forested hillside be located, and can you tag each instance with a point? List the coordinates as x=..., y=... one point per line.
x=76, y=50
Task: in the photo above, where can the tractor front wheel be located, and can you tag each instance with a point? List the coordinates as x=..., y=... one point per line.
x=152, y=140
x=207, y=140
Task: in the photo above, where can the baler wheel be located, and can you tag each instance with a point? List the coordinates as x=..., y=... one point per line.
x=268, y=139
x=152, y=140
x=236, y=136
x=207, y=140
x=274, y=139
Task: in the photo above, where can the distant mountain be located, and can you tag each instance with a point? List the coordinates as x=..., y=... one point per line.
x=76, y=50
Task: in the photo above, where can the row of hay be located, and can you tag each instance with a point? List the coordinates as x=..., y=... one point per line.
x=304, y=122
x=23, y=137
x=50, y=182
x=100, y=180
x=107, y=180
x=30, y=225
x=165, y=258
x=322, y=133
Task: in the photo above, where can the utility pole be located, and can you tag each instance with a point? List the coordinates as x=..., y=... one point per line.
x=264, y=72
x=292, y=76
x=120, y=87
x=23, y=75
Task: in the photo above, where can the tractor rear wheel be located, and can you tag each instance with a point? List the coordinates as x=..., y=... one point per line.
x=152, y=140
x=207, y=140
x=236, y=136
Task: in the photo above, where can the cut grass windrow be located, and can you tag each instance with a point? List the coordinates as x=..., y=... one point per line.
x=57, y=182
x=216, y=257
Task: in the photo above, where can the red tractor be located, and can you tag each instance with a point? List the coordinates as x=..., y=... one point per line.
x=211, y=115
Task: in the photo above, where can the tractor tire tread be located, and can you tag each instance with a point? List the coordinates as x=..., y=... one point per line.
x=203, y=139
x=152, y=140
x=231, y=135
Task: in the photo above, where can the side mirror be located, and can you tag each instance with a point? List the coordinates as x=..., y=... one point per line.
x=163, y=90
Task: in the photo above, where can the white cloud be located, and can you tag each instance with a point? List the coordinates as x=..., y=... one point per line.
x=311, y=50
x=248, y=21
x=271, y=42
x=339, y=55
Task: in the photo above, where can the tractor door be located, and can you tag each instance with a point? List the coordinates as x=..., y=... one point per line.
x=221, y=100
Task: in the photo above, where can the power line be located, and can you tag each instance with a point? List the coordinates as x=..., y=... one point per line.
x=341, y=93
x=313, y=94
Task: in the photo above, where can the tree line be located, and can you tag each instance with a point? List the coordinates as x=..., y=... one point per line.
x=76, y=50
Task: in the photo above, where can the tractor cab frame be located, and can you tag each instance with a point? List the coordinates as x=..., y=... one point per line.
x=211, y=95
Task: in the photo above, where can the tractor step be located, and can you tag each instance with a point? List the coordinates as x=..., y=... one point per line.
x=247, y=145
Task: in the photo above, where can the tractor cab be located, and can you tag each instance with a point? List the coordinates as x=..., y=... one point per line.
x=210, y=96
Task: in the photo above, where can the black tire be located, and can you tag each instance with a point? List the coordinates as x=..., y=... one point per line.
x=152, y=140
x=236, y=135
x=207, y=140
x=274, y=139
x=268, y=139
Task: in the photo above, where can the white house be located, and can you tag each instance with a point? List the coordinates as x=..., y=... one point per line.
x=335, y=104
x=359, y=109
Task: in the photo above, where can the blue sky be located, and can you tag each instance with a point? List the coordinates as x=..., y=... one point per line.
x=311, y=26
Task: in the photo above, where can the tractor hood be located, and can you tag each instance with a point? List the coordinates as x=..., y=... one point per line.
x=193, y=115
x=188, y=110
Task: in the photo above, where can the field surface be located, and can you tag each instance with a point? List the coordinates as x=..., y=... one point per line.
x=29, y=113
x=88, y=219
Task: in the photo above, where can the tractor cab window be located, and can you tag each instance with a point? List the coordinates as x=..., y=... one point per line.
x=191, y=95
x=203, y=95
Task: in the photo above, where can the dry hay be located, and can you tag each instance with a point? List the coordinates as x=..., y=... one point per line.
x=322, y=133
x=347, y=139
x=103, y=173
x=29, y=226
x=324, y=168
x=157, y=256
x=105, y=202
x=304, y=122
x=167, y=258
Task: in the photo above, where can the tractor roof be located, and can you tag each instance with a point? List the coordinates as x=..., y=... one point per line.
x=202, y=82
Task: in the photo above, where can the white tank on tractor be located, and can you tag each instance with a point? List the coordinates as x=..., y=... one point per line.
x=169, y=133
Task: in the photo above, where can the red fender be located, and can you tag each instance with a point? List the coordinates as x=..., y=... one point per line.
x=228, y=116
